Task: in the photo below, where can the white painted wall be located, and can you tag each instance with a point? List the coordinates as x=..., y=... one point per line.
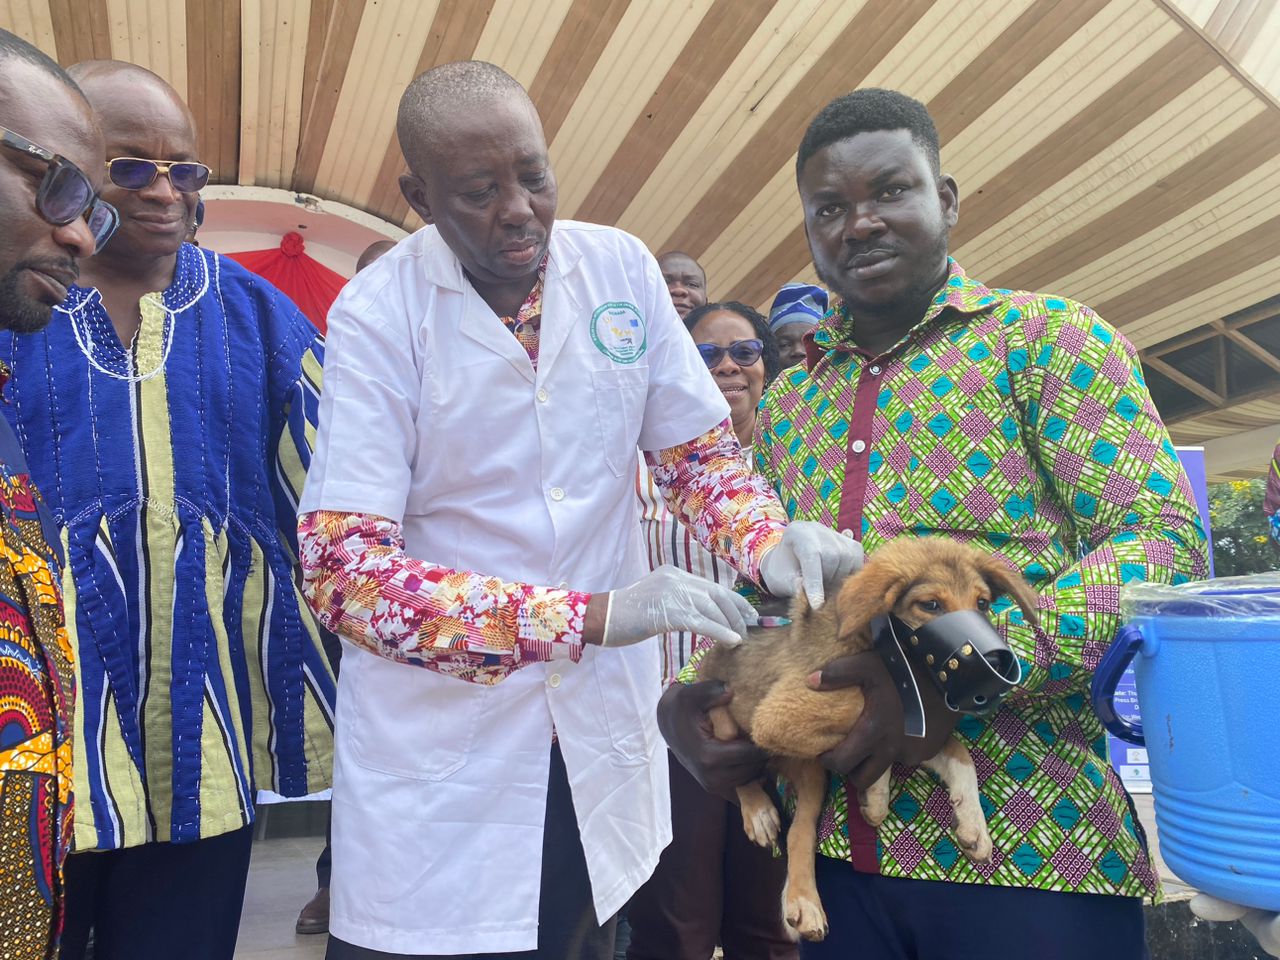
x=238, y=219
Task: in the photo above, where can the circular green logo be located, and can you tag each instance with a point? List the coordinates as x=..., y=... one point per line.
x=618, y=331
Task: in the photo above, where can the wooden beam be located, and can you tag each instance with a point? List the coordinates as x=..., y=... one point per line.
x=1270, y=392
x=1220, y=366
x=843, y=65
x=707, y=53
x=1253, y=347
x=81, y=30
x=581, y=39
x=1207, y=267
x=1182, y=380
x=1232, y=159
x=1188, y=339
x=331, y=35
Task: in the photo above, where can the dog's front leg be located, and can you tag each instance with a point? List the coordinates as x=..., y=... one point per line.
x=954, y=767
x=873, y=802
x=801, y=906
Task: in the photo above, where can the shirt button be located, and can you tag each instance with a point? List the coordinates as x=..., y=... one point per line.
x=846, y=532
x=857, y=446
x=557, y=494
x=541, y=395
x=875, y=370
x=553, y=681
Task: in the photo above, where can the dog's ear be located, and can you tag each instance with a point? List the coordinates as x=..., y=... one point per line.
x=1002, y=580
x=871, y=592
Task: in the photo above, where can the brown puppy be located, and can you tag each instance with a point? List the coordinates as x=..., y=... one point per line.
x=915, y=579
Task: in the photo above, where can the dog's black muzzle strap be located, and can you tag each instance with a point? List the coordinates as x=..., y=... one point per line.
x=965, y=657
x=891, y=636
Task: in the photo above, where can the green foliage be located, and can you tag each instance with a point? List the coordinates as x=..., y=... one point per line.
x=1239, y=528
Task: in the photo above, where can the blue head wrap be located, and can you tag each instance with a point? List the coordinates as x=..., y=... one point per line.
x=798, y=303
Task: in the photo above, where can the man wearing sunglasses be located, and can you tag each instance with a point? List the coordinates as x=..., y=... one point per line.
x=50, y=171
x=165, y=415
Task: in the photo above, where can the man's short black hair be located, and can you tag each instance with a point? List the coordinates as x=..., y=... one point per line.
x=13, y=47
x=863, y=111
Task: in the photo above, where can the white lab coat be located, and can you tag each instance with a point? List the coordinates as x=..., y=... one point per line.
x=432, y=415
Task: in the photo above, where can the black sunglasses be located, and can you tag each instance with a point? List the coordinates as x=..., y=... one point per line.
x=134, y=173
x=743, y=352
x=65, y=193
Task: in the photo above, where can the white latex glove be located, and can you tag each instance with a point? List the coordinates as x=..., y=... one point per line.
x=670, y=599
x=808, y=556
x=1263, y=924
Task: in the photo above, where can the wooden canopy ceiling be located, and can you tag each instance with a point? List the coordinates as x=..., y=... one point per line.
x=1123, y=152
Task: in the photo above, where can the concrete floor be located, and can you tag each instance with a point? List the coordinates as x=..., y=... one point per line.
x=282, y=878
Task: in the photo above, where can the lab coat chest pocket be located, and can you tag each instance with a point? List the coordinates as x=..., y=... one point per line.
x=620, y=397
x=406, y=725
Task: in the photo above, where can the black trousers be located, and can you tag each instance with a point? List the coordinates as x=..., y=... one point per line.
x=158, y=900
x=324, y=862
x=567, y=928
x=889, y=918
x=712, y=885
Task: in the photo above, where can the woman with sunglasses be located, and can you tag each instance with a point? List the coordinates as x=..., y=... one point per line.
x=741, y=354
x=165, y=415
x=712, y=885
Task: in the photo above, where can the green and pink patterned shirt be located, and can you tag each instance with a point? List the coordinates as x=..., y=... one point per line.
x=1021, y=423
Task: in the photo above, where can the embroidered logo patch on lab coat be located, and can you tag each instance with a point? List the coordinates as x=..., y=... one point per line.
x=619, y=332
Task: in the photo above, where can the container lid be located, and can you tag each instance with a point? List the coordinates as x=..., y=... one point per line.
x=1253, y=596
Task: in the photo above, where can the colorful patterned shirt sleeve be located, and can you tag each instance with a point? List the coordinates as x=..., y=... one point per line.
x=709, y=487
x=363, y=586
x=1102, y=447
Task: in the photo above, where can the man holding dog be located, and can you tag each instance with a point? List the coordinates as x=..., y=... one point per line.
x=469, y=528
x=931, y=404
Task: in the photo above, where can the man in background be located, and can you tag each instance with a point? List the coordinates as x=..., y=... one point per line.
x=797, y=309
x=172, y=466
x=686, y=280
x=50, y=171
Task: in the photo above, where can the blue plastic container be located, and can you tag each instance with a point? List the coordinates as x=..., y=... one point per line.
x=1207, y=664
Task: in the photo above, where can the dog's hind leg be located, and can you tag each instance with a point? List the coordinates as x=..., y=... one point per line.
x=873, y=802
x=760, y=819
x=954, y=767
x=801, y=906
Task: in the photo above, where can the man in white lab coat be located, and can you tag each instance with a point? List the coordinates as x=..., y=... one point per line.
x=469, y=528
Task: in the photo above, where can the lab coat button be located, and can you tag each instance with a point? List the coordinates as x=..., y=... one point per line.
x=557, y=494
x=553, y=681
x=541, y=395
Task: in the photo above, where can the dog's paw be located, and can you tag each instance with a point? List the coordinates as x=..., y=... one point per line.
x=976, y=843
x=873, y=809
x=804, y=914
x=762, y=824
